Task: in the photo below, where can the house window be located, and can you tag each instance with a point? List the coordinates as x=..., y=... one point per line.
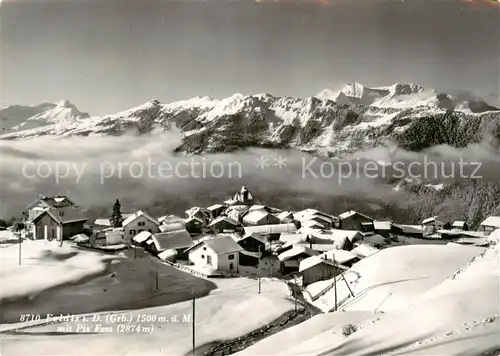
x=204, y=248
x=141, y=230
x=132, y=232
x=141, y=223
x=202, y=256
x=209, y=260
x=230, y=257
x=231, y=266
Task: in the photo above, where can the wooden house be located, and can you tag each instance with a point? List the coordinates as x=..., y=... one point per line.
x=260, y=217
x=220, y=253
x=137, y=222
x=353, y=220
x=52, y=225
x=223, y=224
x=489, y=225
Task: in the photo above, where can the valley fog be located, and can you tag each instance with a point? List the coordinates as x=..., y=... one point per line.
x=142, y=171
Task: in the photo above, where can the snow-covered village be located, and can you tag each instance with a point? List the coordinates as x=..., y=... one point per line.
x=241, y=277
x=249, y=178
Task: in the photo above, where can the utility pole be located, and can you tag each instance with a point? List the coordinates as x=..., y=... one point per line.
x=335, y=287
x=156, y=277
x=295, y=291
x=259, y=283
x=194, y=321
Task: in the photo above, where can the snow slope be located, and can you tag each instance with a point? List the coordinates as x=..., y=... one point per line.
x=458, y=316
x=232, y=311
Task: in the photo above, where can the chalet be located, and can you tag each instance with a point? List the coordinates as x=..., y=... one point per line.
x=195, y=225
x=387, y=229
x=272, y=232
x=60, y=225
x=489, y=225
x=53, y=203
x=317, y=268
x=215, y=210
x=137, y=222
x=431, y=225
x=342, y=257
x=291, y=258
x=171, y=240
x=376, y=240
x=243, y=196
x=236, y=212
x=320, y=219
x=197, y=212
x=460, y=225
x=352, y=220
x=222, y=224
x=415, y=231
x=253, y=243
x=260, y=217
x=345, y=238
x=221, y=253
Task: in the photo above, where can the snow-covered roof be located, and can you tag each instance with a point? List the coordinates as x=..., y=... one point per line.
x=292, y=237
x=142, y=236
x=223, y=245
x=411, y=229
x=284, y=215
x=172, y=227
x=224, y=218
x=138, y=214
x=102, y=222
x=257, y=237
x=193, y=211
x=215, y=207
x=254, y=216
x=339, y=256
x=170, y=219
x=382, y=225
x=492, y=221
x=431, y=219
x=314, y=261
x=350, y=213
x=364, y=250
x=295, y=251
x=269, y=229
x=172, y=240
x=336, y=234
x=258, y=207
x=458, y=223
x=313, y=224
x=165, y=255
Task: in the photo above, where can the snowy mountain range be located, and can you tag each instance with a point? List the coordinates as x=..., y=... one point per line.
x=331, y=123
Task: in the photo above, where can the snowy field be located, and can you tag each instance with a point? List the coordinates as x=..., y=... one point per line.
x=53, y=279
x=459, y=315
x=394, y=277
x=88, y=286
x=233, y=310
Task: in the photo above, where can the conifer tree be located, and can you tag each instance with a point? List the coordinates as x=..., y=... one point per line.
x=116, y=216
